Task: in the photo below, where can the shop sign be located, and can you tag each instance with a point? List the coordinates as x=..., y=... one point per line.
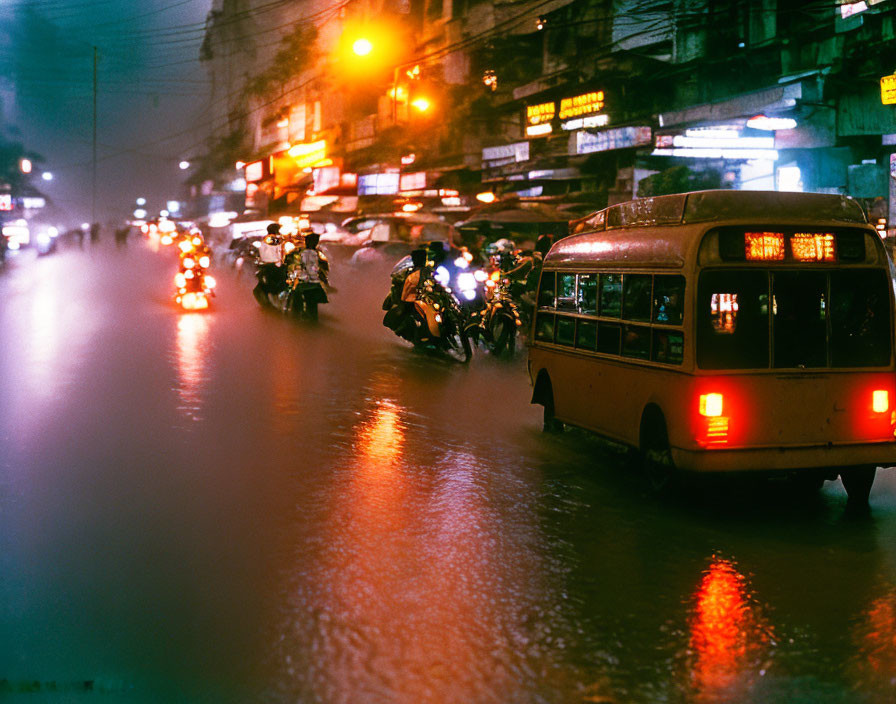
x=581, y=105
x=33, y=203
x=308, y=154
x=5, y=201
x=255, y=171
x=618, y=138
x=325, y=178
x=413, y=182
x=888, y=90
x=505, y=154
x=378, y=184
x=540, y=114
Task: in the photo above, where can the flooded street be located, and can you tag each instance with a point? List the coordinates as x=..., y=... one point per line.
x=235, y=507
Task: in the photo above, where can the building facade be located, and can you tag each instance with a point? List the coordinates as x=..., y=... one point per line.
x=582, y=103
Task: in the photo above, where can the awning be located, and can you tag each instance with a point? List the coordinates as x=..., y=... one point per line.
x=777, y=98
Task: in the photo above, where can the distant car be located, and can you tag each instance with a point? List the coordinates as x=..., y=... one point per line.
x=392, y=237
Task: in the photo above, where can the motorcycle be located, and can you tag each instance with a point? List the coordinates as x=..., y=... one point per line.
x=434, y=321
x=498, y=323
x=195, y=287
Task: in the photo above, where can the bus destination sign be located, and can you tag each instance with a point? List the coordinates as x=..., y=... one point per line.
x=804, y=246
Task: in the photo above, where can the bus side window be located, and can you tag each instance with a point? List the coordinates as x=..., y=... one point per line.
x=586, y=335
x=668, y=299
x=636, y=297
x=544, y=327
x=587, y=295
x=636, y=342
x=566, y=291
x=668, y=346
x=609, y=337
x=547, y=289
x=566, y=331
x=611, y=295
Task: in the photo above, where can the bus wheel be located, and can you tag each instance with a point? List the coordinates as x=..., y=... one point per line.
x=655, y=453
x=857, y=481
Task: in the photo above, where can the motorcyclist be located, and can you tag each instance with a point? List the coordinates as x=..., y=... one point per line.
x=399, y=304
x=271, y=269
x=542, y=247
x=309, y=271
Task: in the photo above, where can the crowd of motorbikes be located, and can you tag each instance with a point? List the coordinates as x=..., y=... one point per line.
x=449, y=305
x=442, y=299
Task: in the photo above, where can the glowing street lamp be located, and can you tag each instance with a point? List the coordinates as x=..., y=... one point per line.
x=422, y=104
x=362, y=46
x=47, y=176
x=25, y=165
x=184, y=165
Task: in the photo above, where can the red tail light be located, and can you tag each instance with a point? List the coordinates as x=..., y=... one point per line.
x=880, y=401
x=713, y=430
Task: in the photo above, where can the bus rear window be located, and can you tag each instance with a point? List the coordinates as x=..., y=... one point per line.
x=732, y=320
x=860, y=319
x=837, y=318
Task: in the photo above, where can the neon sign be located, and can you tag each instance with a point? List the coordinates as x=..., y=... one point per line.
x=579, y=105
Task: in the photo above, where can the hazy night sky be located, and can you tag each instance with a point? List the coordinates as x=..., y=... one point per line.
x=152, y=96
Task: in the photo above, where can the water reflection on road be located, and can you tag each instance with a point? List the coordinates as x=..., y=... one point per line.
x=229, y=506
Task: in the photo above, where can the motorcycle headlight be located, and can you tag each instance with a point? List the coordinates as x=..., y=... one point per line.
x=180, y=280
x=210, y=282
x=166, y=239
x=461, y=263
x=442, y=276
x=189, y=263
x=188, y=274
x=469, y=294
x=184, y=246
x=204, y=262
x=480, y=275
x=466, y=282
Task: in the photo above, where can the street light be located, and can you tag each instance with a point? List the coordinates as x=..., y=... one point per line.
x=46, y=176
x=141, y=201
x=25, y=165
x=362, y=46
x=184, y=165
x=422, y=104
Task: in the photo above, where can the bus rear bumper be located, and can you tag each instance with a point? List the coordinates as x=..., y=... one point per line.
x=785, y=458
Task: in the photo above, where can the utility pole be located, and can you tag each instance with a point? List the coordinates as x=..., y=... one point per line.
x=93, y=200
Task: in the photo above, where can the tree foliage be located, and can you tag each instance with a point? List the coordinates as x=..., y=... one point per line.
x=295, y=55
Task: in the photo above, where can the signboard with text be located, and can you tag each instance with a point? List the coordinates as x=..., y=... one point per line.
x=888, y=90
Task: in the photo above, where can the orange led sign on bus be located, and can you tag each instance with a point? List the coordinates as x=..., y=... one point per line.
x=764, y=246
x=813, y=247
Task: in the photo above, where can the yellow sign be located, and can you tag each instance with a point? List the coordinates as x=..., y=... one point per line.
x=308, y=153
x=580, y=105
x=888, y=90
x=541, y=113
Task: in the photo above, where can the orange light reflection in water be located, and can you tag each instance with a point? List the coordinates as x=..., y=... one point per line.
x=192, y=340
x=415, y=599
x=875, y=639
x=728, y=637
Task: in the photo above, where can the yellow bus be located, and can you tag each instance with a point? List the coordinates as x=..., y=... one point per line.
x=724, y=331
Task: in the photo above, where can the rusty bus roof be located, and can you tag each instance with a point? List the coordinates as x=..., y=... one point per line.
x=664, y=230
